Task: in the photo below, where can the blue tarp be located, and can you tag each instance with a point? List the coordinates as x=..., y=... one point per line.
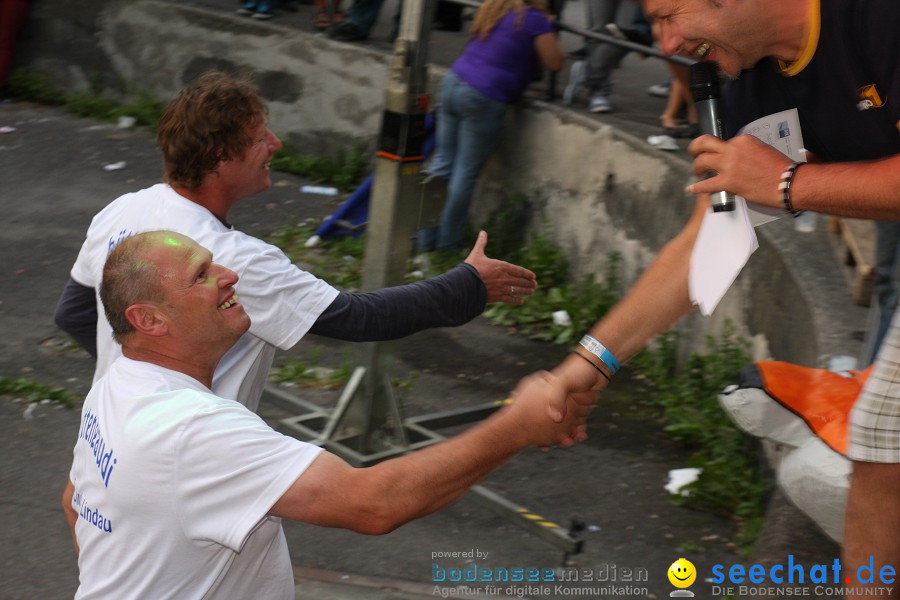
x=352, y=214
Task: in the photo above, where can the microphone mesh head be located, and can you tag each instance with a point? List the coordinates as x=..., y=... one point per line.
x=704, y=80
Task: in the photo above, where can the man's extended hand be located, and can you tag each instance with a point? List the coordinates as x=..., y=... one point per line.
x=572, y=386
x=531, y=405
x=505, y=282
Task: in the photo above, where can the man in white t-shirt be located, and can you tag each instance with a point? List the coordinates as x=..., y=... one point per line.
x=217, y=148
x=175, y=492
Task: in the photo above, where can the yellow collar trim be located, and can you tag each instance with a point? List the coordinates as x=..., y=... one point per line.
x=812, y=41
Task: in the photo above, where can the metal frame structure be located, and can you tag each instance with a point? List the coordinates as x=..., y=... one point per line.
x=367, y=424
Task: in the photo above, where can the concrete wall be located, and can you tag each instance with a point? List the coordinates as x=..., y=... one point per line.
x=597, y=189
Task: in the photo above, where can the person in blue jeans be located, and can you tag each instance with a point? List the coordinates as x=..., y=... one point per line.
x=258, y=9
x=359, y=22
x=510, y=40
x=887, y=263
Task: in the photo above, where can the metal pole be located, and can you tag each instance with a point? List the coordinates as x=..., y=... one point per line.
x=372, y=421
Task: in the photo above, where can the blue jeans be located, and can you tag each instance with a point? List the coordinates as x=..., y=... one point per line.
x=468, y=129
x=602, y=58
x=887, y=263
x=364, y=13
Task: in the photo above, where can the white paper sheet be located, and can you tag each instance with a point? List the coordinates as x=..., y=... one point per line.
x=726, y=240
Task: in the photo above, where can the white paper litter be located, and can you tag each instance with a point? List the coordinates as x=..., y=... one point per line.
x=679, y=478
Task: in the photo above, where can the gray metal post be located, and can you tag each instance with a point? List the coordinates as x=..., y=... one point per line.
x=372, y=421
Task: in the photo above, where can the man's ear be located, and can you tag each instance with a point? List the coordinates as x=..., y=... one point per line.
x=147, y=319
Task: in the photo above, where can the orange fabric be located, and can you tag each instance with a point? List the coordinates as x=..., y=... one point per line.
x=823, y=399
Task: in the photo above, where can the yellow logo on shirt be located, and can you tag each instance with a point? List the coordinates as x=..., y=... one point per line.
x=869, y=98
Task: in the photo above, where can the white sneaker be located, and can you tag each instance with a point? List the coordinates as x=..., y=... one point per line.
x=600, y=104
x=663, y=142
x=660, y=90
x=576, y=79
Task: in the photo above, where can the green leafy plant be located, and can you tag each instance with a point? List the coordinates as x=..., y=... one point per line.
x=34, y=86
x=345, y=170
x=508, y=227
x=733, y=479
x=339, y=260
x=585, y=301
x=33, y=391
x=309, y=372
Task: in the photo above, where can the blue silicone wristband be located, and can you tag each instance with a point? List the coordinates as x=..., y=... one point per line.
x=590, y=343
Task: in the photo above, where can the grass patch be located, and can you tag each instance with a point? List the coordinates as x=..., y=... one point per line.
x=33, y=86
x=345, y=170
x=33, y=391
x=308, y=372
x=337, y=260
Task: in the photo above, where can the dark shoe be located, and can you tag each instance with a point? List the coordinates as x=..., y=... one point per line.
x=348, y=32
x=691, y=130
x=579, y=52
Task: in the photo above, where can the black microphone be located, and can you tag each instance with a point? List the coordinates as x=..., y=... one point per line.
x=705, y=90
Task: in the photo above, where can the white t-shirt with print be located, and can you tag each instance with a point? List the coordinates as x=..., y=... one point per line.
x=172, y=488
x=283, y=301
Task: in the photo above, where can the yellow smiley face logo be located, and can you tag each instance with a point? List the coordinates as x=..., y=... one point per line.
x=682, y=573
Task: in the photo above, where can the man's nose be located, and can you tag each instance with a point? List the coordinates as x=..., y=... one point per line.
x=274, y=142
x=668, y=39
x=225, y=276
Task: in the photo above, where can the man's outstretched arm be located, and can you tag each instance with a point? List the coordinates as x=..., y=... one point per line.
x=378, y=499
x=76, y=314
x=448, y=300
x=657, y=301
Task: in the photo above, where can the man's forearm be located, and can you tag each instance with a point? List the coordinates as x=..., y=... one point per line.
x=76, y=314
x=863, y=190
x=69, y=511
x=658, y=300
x=396, y=491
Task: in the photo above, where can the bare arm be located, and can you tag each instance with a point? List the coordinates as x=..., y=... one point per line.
x=656, y=302
x=378, y=499
x=750, y=168
x=549, y=52
x=71, y=514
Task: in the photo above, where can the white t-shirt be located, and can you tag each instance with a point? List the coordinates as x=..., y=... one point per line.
x=172, y=488
x=283, y=301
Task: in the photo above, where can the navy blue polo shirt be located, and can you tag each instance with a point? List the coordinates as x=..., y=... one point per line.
x=845, y=86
